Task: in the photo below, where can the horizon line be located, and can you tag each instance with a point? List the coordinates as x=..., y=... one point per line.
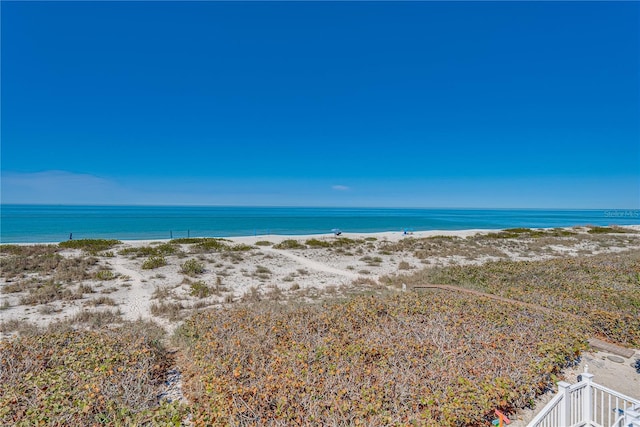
x=316, y=206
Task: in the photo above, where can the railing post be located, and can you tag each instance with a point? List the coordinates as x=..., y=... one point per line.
x=587, y=402
x=565, y=404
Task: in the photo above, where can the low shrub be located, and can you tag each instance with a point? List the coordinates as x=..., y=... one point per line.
x=289, y=244
x=162, y=249
x=345, y=241
x=105, y=275
x=154, y=261
x=188, y=240
x=608, y=230
x=192, y=267
x=92, y=246
x=208, y=245
x=200, y=289
x=240, y=247
x=407, y=359
x=315, y=243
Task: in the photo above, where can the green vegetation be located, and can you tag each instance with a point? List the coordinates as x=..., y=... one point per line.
x=289, y=244
x=200, y=289
x=154, y=261
x=192, y=268
x=207, y=244
x=162, y=249
x=561, y=232
x=315, y=243
x=93, y=246
x=339, y=242
x=191, y=240
x=607, y=230
x=105, y=275
x=216, y=245
x=526, y=233
x=263, y=243
x=345, y=241
x=513, y=233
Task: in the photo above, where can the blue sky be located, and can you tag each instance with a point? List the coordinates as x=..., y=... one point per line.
x=416, y=104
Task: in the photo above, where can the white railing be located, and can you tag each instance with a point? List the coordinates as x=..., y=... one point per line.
x=588, y=404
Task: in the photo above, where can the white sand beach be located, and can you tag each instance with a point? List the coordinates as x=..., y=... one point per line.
x=314, y=269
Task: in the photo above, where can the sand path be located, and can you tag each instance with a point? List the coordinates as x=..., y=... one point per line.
x=138, y=297
x=314, y=265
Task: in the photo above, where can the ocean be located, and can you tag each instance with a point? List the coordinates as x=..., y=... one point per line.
x=44, y=223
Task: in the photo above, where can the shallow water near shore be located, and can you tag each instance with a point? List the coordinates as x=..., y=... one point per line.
x=52, y=223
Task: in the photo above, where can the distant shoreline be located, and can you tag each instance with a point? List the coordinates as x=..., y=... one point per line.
x=277, y=238
x=37, y=224
x=391, y=236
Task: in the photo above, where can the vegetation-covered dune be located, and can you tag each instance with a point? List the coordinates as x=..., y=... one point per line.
x=264, y=340
x=376, y=360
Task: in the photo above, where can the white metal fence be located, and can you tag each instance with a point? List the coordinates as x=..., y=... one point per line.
x=588, y=404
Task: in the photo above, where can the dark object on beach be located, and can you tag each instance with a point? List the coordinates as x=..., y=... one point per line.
x=70, y=236
x=337, y=231
x=637, y=365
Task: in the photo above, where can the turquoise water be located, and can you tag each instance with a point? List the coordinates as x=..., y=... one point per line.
x=40, y=223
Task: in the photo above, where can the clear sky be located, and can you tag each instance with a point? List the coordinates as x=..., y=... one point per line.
x=414, y=104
